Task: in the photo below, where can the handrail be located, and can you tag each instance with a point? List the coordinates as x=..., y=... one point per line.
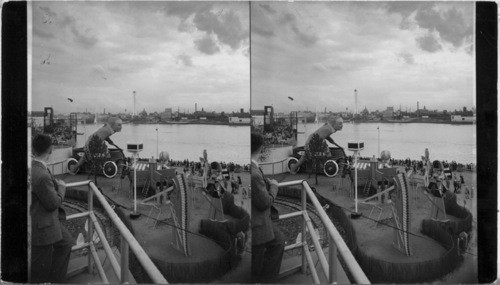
x=150, y=268
x=57, y=162
x=334, y=237
x=273, y=163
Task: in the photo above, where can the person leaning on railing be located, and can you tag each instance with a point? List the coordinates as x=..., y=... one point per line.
x=51, y=242
x=268, y=242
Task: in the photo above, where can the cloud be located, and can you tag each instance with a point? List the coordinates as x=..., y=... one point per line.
x=100, y=70
x=407, y=57
x=321, y=67
x=406, y=8
x=207, y=45
x=429, y=43
x=451, y=26
x=84, y=40
x=268, y=8
x=66, y=21
x=450, y=23
x=304, y=38
x=41, y=33
x=87, y=41
x=227, y=27
x=184, y=9
x=287, y=18
x=48, y=12
x=263, y=32
x=185, y=59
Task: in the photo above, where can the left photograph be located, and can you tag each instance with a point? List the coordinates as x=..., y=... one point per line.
x=139, y=123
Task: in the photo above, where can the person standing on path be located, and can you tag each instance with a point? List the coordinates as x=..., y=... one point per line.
x=51, y=242
x=462, y=181
x=268, y=242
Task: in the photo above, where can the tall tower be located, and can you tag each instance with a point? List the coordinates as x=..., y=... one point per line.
x=195, y=107
x=355, y=102
x=417, y=106
x=134, y=105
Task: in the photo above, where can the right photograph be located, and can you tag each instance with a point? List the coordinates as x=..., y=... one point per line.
x=363, y=142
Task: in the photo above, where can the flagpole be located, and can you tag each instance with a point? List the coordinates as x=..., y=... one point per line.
x=157, y=154
x=378, y=129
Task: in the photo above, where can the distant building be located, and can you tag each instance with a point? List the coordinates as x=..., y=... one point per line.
x=239, y=120
x=365, y=112
x=388, y=113
x=166, y=115
x=258, y=117
x=463, y=119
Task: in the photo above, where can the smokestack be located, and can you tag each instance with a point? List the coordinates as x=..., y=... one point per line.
x=417, y=106
x=195, y=107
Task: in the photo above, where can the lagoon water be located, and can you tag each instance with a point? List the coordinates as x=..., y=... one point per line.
x=444, y=141
x=232, y=144
x=223, y=143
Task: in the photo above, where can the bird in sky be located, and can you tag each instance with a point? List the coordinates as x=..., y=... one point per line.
x=69, y=99
x=290, y=98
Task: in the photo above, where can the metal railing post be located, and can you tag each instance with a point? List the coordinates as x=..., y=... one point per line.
x=90, y=233
x=304, y=226
x=332, y=260
x=128, y=242
x=124, y=260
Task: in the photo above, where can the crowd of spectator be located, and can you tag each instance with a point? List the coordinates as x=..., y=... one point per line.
x=279, y=135
x=195, y=166
x=418, y=166
x=59, y=134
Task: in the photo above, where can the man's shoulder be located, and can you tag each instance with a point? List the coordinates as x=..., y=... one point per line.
x=37, y=166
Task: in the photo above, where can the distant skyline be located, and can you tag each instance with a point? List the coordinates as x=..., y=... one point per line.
x=393, y=53
x=173, y=54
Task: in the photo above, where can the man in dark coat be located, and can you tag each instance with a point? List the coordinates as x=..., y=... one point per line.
x=50, y=241
x=267, y=240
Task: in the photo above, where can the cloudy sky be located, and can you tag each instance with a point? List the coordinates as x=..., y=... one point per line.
x=392, y=52
x=172, y=54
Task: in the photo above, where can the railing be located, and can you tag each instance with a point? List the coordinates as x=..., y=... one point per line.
x=127, y=240
x=336, y=243
x=274, y=163
x=53, y=164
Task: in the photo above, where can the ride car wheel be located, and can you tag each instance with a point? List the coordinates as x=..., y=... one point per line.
x=109, y=169
x=331, y=168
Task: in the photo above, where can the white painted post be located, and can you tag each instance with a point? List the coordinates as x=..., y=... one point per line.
x=124, y=278
x=304, y=225
x=332, y=260
x=90, y=233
